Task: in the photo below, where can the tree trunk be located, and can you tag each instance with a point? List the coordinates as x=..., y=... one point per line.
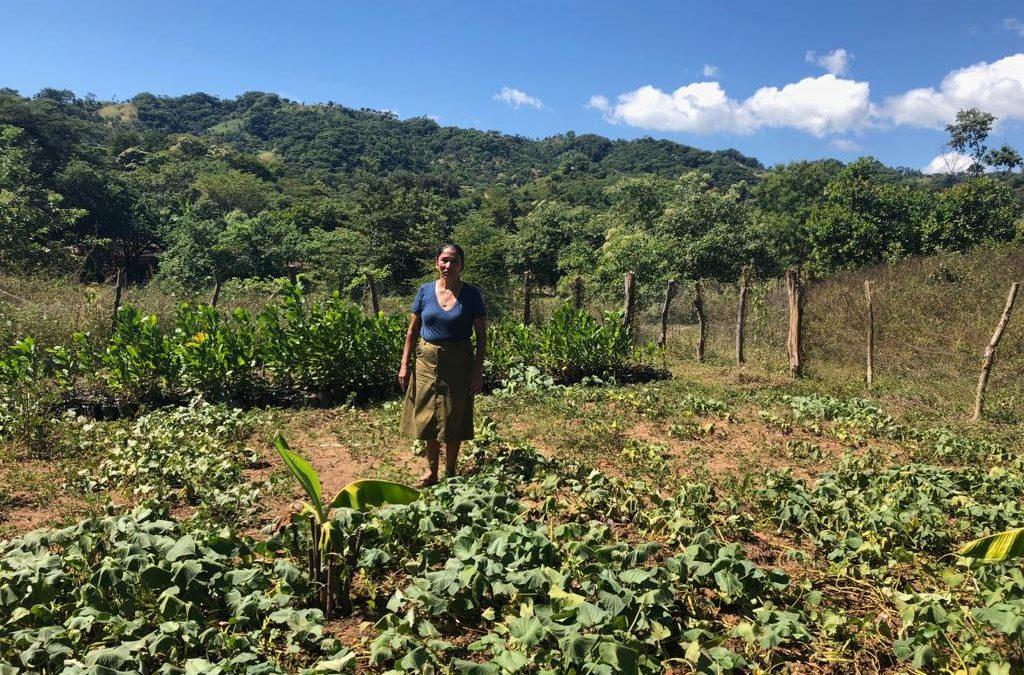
x=526, y=298
x=795, y=290
x=670, y=292
x=741, y=314
x=627, y=316
x=871, y=332
x=577, y=293
x=702, y=322
x=990, y=352
x=371, y=287
x=217, y=283
x=118, y=286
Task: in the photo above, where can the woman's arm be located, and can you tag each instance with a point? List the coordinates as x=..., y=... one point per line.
x=410, y=339
x=480, y=328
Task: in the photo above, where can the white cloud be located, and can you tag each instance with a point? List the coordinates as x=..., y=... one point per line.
x=822, y=105
x=599, y=102
x=1014, y=24
x=836, y=61
x=950, y=162
x=996, y=87
x=709, y=70
x=517, y=98
x=702, y=107
x=817, y=105
x=845, y=145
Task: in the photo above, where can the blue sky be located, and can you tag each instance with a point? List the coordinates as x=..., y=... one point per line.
x=777, y=80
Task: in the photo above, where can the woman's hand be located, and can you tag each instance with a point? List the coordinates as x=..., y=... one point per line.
x=476, y=383
x=403, y=377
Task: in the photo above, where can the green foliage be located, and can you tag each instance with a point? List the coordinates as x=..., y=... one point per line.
x=863, y=221
x=27, y=400
x=306, y=476
x=242, y=187
x=996, y=547
x=299, y=347
x=967, y=214
x=968, y=134
x=132, y=593
x=137, y=360
x=367, y=492
x=33, y=221
x=569, y=347
x=191, y=457
x=550, y=565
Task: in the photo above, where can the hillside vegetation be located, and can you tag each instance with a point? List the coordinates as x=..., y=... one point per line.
x=201, y=190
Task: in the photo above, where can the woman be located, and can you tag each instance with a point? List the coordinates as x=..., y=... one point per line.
x=440, y=389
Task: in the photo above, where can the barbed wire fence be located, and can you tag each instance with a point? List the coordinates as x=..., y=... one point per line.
x=930, y=322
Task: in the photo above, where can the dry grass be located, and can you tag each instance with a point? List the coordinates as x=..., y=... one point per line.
x=933, y=318
x=125, y=112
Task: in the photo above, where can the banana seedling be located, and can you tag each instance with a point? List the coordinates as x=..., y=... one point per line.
x=324, y=539
x=998, y=547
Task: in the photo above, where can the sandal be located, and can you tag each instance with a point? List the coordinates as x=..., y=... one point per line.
x=425, y=482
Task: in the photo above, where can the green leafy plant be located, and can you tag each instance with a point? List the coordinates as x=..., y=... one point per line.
x=331, y=562
x=997, y=547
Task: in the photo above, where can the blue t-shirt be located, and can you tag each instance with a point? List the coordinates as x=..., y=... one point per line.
x=457, y=323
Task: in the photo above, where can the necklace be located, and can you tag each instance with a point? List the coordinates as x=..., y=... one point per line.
x=447, y=297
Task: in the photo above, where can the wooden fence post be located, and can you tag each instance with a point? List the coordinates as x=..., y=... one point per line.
x=871, y=332
x=702, y=324
x=118, y=285
x=372, y=288
x=741, y=314
x=670, y=292
x=627, y=317
x=990, y=352
x=795, y=290
x=526, y=297
x=217, y=283
x=577, y=292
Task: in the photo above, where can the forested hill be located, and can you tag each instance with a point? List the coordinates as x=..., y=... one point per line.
x=197, y=188
x=332, y=139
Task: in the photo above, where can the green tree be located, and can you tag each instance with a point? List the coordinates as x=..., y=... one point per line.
x=968, y=134
x=542, y=236
x=119, y=223
x=261, y=245
x=486, y=249
x=338, y=257
x=784, y=199
x=234, y=189
x=35, y=227
x=625, y=250
x=981, y=209
x=197, y=254
x=1005, y=158
x=863, y=221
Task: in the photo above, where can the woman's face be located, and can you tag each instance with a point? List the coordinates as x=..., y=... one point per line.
x=449, y=264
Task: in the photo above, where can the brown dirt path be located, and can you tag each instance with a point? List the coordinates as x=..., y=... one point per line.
x=342, y=444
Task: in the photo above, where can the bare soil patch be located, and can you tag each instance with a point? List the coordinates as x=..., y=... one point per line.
x=34, y=494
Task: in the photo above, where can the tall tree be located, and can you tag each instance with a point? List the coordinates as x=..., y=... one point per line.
x=968, y=135
x=1005, y=158
x=35, y=227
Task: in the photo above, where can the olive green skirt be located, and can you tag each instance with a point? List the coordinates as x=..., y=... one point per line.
x=438, y=404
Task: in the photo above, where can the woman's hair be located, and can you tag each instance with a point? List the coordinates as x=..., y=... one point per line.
x=455, y=247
